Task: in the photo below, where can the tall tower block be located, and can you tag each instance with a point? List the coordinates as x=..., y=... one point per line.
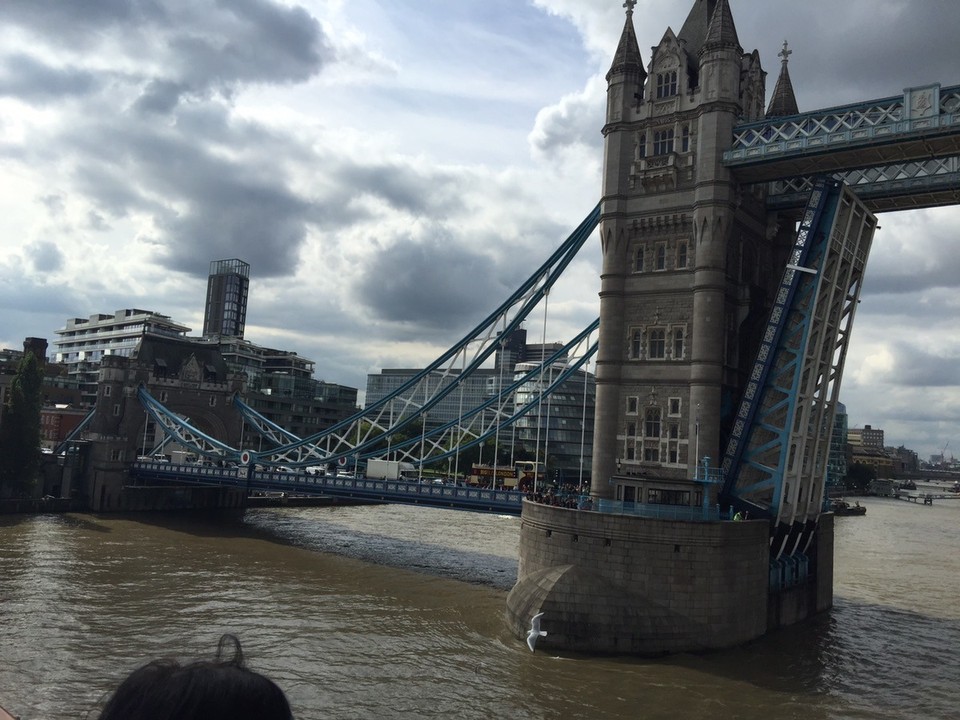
x=683, y=285
x=226, y=308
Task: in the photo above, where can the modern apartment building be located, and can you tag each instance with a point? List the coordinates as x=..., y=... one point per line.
x=83, y=342
x=562, y=425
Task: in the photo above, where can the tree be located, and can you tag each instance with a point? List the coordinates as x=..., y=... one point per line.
x=20, y=429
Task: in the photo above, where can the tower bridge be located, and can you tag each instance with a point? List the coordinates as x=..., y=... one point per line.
x=735, y=239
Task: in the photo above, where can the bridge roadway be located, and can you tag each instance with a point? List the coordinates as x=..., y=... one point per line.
x=455, y=497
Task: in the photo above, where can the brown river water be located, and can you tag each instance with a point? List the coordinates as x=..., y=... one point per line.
x=397, y=612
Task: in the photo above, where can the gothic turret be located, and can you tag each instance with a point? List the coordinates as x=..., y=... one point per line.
x=783, y=102
x=720, y=57
x=626, y=75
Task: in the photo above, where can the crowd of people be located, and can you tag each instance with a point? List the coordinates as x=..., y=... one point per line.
x=567, y=495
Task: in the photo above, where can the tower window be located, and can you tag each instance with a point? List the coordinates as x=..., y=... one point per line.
x=636, y=346
x=682, y=254
x=678, y=343
x=638, y=260
x=666, y=84
x=663, y=142
x=660, y=261
x=657, y=347
x=651, y=427
x=685, y=139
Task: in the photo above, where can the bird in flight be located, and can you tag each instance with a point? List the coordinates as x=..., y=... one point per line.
x=534, y=632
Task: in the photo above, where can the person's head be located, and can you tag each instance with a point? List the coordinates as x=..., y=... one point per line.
x=210, y=689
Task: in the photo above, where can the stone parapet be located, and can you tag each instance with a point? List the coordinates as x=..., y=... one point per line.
x=624, y=584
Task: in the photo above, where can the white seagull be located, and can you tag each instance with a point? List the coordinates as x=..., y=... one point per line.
x=534, y=632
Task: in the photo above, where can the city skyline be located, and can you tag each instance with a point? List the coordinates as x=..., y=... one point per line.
x=392, y=171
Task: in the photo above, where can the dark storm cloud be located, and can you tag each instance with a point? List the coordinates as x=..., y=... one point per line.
x=79, y=24
x=945, y=275
x=441, y=285
x=160, y=96
x=196, y=44
x=853, y=51
x=403, y=187
x=44, y=256
x=430, y=284
x=29, y=79
x=915, y=367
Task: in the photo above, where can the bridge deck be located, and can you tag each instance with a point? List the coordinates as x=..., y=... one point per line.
x=459, y=497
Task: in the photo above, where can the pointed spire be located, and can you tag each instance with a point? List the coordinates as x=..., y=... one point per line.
x=721, y=32
x=628, y=58
x=783, y=102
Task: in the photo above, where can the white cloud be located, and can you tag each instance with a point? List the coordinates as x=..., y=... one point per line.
x=324, y=141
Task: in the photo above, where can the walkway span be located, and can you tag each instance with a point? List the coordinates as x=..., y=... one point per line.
x=455, y=497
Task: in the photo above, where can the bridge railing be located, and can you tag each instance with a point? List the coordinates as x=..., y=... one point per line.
x=660, y=512
x=402, y=491
x=846, y=125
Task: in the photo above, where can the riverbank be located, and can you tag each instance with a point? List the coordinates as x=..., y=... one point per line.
x=34, y=506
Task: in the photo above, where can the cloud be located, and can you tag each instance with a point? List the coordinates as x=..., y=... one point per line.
x=393, y=171
x=28, y=79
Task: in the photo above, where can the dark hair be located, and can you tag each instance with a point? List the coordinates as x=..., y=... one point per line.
x=208, y=690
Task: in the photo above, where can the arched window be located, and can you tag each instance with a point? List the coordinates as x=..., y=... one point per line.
x=642, y=146
x=636, y=345
x=685, y=139
x=632, y=430
x=638, y=260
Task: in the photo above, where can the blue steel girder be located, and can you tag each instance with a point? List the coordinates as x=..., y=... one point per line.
x=920, y=124
x=932, y=182
x=776, y=458
x=76, y=432
x=180, y=430
x=482, y=420
x=449, y=439
x=444, y=375
x=777, y=324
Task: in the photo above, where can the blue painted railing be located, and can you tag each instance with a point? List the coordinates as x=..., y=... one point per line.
x=460, y=497
x=660, y=512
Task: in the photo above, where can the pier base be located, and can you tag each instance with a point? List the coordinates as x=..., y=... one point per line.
x=632, y=585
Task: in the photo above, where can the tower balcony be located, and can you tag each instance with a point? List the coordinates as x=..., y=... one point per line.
x=661, y=173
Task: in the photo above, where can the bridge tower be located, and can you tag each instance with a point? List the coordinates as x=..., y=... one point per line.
x=691, y=265
x=687, y=253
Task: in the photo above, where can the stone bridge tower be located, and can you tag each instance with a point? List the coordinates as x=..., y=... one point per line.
x=686, y=254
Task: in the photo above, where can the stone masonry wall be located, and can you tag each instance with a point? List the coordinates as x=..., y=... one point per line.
x=623, y=584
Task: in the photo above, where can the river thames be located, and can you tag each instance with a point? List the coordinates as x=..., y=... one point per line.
x=397, y=612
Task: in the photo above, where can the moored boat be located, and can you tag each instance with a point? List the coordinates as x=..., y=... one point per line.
x=842, y=507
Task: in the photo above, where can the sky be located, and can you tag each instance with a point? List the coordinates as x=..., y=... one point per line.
x=393, y=169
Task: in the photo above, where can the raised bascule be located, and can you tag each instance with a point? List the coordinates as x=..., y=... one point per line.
x=735, y=238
